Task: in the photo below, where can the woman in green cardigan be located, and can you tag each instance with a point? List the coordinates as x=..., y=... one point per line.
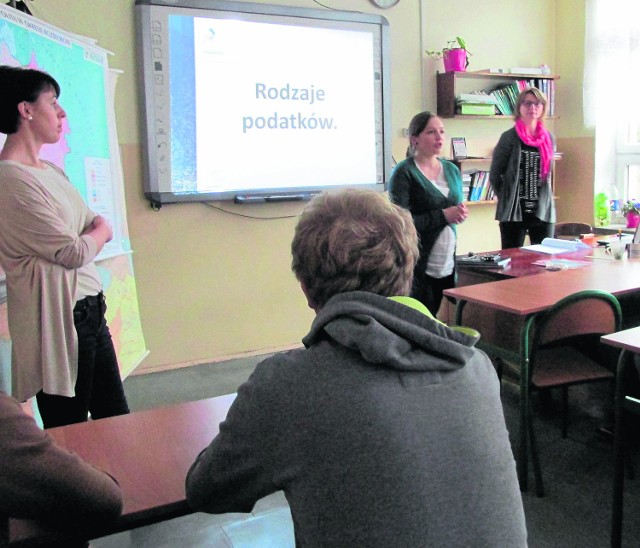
x=431, y=189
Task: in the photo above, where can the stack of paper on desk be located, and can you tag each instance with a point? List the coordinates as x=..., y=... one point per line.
x=552, y=246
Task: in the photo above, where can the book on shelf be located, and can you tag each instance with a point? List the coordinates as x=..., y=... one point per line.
x=458, y=148
x=502, y=101
x=480, y=187
x=477, y=109
x=476, y=97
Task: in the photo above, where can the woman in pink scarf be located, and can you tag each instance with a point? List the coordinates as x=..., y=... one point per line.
x=521, y=174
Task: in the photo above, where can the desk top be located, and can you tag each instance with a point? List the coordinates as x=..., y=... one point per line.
x=530, y=294
x=629, y=339
x=149, y=454
x=521, y=263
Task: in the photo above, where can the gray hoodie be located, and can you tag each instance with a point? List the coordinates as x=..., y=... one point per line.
x=386, y=430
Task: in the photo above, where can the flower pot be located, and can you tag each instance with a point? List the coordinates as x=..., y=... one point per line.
x=455, y=60
x=633, y=219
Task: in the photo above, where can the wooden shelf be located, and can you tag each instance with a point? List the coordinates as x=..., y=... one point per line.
x=481, y=202
x=448, y=84
x=474, y=159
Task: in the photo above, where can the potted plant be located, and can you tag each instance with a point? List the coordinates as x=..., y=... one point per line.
x=455, y=55
x=631, y=210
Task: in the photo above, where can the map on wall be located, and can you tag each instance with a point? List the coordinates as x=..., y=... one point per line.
x=89, y=155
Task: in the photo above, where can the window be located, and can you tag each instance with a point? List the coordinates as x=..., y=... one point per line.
x=612, y=71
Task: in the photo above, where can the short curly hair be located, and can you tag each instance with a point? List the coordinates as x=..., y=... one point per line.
x=354, y=240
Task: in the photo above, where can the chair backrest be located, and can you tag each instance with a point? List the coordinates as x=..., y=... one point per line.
x=590, y=312
x=571, y=229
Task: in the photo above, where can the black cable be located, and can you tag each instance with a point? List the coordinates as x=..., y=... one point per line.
x=208, y=204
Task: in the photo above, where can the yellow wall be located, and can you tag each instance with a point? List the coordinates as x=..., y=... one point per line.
x=212, y=284
x=576, y=170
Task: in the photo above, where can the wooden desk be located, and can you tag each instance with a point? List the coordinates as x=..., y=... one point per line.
x=629, y=342
x=521, y=264
x=148, y=452
x=517, y=300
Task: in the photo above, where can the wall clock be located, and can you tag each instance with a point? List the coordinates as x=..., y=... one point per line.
x=384, y=4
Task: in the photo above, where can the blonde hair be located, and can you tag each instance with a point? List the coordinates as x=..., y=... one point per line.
x=522, y=98
x=354, y=240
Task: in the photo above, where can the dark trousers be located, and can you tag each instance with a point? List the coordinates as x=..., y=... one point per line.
x=512, y=234
x=99, y=387
x=429, y=290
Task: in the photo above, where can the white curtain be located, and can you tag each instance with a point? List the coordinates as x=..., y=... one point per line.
x=611, y=79
x=612, y=58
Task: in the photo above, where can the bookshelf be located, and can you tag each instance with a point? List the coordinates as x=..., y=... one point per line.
x=475, y=173
x=452, y=84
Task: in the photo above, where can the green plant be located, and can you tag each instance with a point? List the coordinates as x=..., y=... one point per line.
x=451, y=44
x=631, y=206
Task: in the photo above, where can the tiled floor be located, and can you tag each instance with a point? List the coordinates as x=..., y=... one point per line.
x=577, y=471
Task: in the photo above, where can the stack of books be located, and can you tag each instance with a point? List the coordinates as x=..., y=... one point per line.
x=477, y=103
x=506, y=96
x=479, y=187
x=485, y=260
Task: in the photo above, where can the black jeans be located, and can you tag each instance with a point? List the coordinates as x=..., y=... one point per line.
x=99, y=387
x=429, y=290
x=512, y=234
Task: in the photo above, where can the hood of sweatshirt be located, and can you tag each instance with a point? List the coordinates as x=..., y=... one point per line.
x=391, y=333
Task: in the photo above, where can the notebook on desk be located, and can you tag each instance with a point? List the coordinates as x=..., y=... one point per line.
x=553, y=246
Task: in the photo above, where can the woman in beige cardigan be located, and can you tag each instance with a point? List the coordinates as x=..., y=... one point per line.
x=62, y=350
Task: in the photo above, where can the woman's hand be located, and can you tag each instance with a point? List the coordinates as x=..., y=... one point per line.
x=100, y=230
x=101, y=224
x=456, y=214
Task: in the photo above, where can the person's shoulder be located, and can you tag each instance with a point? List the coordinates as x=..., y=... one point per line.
x=401, y=172
x=508, y=139
x=404, y=165
x=448, y=163
x=55, y=168
x=280, y=366
x=10, y=170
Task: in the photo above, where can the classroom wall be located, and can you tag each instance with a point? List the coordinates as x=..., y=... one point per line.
x=212, y=284
x=576, y=171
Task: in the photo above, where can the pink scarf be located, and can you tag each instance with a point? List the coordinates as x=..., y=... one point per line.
x=540, y=139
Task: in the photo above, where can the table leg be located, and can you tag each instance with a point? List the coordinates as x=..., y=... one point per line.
x=625, y=358
x=523, y=464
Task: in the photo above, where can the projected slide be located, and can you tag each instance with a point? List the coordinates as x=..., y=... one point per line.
x=247, y=101
x=257, y=98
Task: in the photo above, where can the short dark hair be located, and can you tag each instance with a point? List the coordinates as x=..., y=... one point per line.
x=416, y=127
x=354, y=240
x=20, y=84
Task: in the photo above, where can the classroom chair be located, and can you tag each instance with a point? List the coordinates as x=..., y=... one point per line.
x=571, y=229
x=565, y=350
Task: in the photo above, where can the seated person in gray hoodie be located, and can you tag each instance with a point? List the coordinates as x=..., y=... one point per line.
x=387, y=428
